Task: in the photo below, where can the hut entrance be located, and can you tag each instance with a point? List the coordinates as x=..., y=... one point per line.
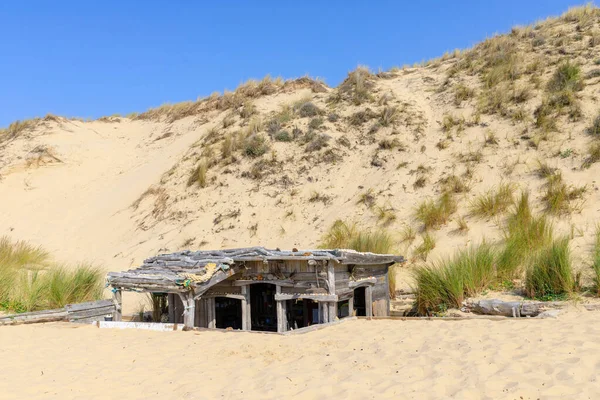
x=360, y=303
x=263, y=307
x=228, y=313
x=302, y=312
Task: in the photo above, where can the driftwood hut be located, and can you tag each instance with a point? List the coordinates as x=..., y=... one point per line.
x=262, y=290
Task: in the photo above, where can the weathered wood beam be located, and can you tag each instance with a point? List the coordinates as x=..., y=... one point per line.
x=219, y=276
x=369, y=301
x=118, y=302
x=190, y=310
x=283, y=283
x=362, y=282
x=245, y=308
x=315, y=297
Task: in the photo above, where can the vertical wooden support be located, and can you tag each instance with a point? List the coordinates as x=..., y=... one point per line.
x=245, y=309
x=212, y=322
x=351, y=306
x=198, y=310
x=332, y=307
x=369, y=301
x=281, y=310
x=118, y=300
x=171, y=304
x=389, y=295
x=324, y=311
x=190, y=310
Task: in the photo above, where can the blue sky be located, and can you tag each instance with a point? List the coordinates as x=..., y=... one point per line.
x=94, y=58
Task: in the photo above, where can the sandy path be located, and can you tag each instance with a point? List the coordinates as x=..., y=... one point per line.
x=545, y=359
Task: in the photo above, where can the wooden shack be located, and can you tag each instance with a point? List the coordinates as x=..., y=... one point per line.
x=262, y=290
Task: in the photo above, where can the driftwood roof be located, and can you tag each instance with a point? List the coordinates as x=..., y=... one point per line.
x=201, y=269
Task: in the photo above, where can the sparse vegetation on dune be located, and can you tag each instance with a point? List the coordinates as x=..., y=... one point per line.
x=349, y=235
x=494, y=202
x=30, y=281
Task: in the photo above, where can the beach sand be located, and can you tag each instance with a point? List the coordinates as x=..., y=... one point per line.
x=475, y=359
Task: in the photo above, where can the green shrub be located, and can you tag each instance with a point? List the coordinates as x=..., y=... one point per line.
x=308, y=109
x=550, y=274
x=283, y=136
x=446, y=284
x=256, y=146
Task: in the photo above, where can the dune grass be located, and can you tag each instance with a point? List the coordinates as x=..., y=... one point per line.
x=434, y=214
x=524, y=234
x=348, y=235
x=550, y=274
x=443, y=285
x=559, y=197
x=494, y=202
x=29, y=281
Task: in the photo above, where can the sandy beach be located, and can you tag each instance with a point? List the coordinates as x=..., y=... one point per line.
x=482, y=359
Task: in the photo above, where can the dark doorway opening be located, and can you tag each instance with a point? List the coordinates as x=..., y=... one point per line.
x=263, y=307
x=302, y=312
x=360, y=304
x=228, y=313
x=343, y=309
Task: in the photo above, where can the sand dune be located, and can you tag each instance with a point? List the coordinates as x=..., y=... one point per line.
x=478, y=359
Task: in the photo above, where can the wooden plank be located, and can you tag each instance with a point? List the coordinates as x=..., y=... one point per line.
x=331, y=277
x=35, y=317
x=315, y=297
x=88, y=305
x=351, y=305
x=362, y=282
x=317, y=327
x=227, y=295
x=369, y=301
x=244, y=282
x=91, y=313
x=201, y=288
x=118, y=302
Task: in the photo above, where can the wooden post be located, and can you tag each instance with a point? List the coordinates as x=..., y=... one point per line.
x=387, y=284
x=351, y=306
x=281, y=318
x=332, y=307
x=171, y=304
x=246, y=309
x=118, y=300
x=212, y=323
x=324, y=309
x=190, y=310
x=369, y=301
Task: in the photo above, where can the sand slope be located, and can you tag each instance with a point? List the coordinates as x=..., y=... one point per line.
x=522, y=359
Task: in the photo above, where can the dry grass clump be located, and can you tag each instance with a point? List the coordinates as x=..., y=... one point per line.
x=559, y=196
x=361, y=117
x=17, y=128
x=462, y=93
x=550, y=274
x=198, y=174
x=595, y=128
x=29, y=281
x=388, y=116
x=449, y=121
x=433, y=214
x=593, y=155
x=385, y=214
x=356, y=88
x=427, y=245
x=443, y=285
x=566, y=77
x=348, y=235
x=494, y=202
